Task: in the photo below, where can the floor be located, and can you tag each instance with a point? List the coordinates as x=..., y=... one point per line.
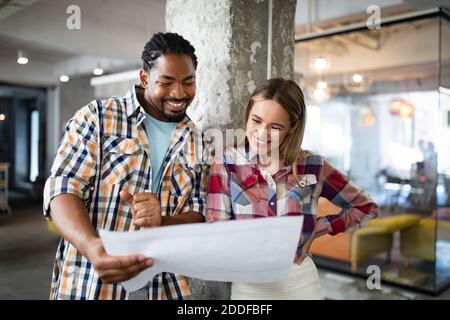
x=27, y=250
x=337, y=286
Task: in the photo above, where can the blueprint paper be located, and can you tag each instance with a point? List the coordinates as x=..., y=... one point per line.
x=252, y=251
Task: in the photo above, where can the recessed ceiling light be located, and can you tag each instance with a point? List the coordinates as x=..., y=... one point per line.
x=97, y=71
x=357, y=78
x=321, y=84
x=64, y=78
x=320, y=64
x=321, y=94
x=21, y=58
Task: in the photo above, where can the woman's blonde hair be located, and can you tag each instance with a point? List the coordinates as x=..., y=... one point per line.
x=289, y=95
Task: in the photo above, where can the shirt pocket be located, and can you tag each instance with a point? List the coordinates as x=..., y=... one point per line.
x=301, y=191
x=189, y=162
x=245, y=193
x=121, y=156
x=183, y=177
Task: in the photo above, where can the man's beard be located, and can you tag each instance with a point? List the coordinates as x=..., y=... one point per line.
x=174, y=117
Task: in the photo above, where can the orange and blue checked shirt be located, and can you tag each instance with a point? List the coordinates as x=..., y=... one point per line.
x=105, y=150
x=239, y=189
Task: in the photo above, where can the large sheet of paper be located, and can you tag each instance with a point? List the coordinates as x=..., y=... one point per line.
x=256, y=250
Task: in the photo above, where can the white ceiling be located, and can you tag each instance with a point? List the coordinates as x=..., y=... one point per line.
x=114, y=31
x=310, y=12
x=314, y=11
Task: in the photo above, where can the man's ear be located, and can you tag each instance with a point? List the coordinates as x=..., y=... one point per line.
x=143, y=76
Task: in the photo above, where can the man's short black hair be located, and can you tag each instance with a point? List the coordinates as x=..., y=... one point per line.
x=164, y=43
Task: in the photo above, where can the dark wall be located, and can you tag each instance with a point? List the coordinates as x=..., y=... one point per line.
x=17, y=103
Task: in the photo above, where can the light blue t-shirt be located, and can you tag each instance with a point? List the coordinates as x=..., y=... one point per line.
x=159, y=134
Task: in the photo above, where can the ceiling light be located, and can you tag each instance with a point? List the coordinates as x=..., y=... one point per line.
x=402, y=108
x=320, y=64
x=64, y=78
x=2, y=117
x=358, y=78
x=366, y=116
x=357, y=82
x=322, y=84
x=21, y=58
x=444, y=90
x=406, y=111
x=132, y=75
x=321, y=94
x=98, y=71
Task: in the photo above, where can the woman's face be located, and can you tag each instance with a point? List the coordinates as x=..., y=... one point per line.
x=267, y=126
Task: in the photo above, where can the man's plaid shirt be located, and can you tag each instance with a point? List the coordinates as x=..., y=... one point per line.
x=105, y=150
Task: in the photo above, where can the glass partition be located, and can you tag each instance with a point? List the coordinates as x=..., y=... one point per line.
x=443, y=140
x=378, y=109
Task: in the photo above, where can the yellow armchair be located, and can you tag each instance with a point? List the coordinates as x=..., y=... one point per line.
x=52, y=228
x=355, y=247
x=368, y=242
x=419, y=241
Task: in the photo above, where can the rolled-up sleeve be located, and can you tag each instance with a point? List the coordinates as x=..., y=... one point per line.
x=357, y=206
x=74, y=167
x=219, y=198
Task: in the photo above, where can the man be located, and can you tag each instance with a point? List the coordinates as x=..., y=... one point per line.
x=116, y=151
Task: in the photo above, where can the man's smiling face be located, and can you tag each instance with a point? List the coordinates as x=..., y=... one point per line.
x=170, y=87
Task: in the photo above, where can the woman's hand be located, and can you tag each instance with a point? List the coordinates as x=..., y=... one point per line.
x=306, y=246
x=305, y=251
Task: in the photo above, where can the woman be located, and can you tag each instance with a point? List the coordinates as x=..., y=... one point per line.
x=271, y=176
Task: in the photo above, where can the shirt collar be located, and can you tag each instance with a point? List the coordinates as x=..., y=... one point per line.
x=132, y=103
x=252, y=157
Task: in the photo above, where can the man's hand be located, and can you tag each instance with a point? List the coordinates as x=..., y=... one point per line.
x=113, y=269
x=72, y=219
x=145, y=208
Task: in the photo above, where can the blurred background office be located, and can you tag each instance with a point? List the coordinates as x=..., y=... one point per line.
x=378, y=100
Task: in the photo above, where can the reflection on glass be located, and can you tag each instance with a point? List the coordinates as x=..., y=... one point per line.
x=34, y=146
x=386, y=124
x=443, y=163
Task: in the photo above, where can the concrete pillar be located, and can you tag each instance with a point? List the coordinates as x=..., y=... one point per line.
x=231, y=38
x=231, y=42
